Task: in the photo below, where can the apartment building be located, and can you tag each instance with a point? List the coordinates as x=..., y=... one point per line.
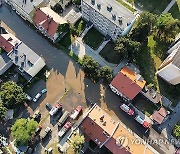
x=169, y=70
x=108, y=16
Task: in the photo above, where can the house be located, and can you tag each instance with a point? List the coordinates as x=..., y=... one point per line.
x=26, y=8
x=159, y=116
x=127, y=84
x=108, y=17
x=102, y=130
x=169, y=70
x=47, y=22
x=27, y=61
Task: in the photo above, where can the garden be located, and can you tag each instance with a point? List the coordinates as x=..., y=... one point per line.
x=93, y=38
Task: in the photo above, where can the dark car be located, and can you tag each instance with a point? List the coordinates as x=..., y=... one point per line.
x=49, y=106
x=36, y=115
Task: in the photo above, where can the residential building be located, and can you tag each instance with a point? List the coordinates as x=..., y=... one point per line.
x=127, y=84
x=159, y=116
x=47, y=21
x=108, y=16
x=169, y=70
x=101, y=129
x=26, y=8
x=27, y=61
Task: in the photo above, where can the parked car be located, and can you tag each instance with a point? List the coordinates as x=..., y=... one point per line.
x=139, y=119
x=49, y=106
x=76, y=112
x=35, y=99
x=36, y=115
x=29, y=98
x=63, y=118
x=55, y=109
x=64, y=129
x=46, y=132
x=127, y=109
x=142, y=121
x=44, y=91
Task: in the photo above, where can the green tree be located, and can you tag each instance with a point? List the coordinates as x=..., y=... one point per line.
x=11, y=94
x=176, y=131
x=63, y=28
x=166, y=28
x=90, y=67
x=77, y=142
x=143, y=27
x=106, y=73
x=3, y=110
x=57, y=8
x=127, y=48
x=80, y=27
x=77, y=2
x=23, y=130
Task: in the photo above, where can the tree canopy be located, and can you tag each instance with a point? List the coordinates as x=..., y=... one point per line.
x=11, y=94
x=166, y=28
x=3, y=110
x=143, y=27
x=63, y=28
x=23, y=130
x=176, y=130
x=90, y=67
x=127, y=48
x=77, y=2
x=106, y=73
x=77, y=142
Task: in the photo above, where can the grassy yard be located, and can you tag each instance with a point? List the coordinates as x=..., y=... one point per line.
x=93, y=38
x=126, y=5
x=67, y=40
x=149, y=61
x=175, y=10
x=154, y=6
x=109, y=54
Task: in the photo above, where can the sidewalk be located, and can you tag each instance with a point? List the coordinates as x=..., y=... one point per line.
x=81, y=49
x=169, y=6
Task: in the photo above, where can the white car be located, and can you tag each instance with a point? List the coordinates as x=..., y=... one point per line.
x=126, y=109
x=28, y=97
x=35, y=99
x=139, y=119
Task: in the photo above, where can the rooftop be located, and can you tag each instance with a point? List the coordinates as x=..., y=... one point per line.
x=176, y=58
x=113, y=11
x=128, y=83
x=8, y=41
x=4, y=60
x=123, y=138
x=26, y=59
x=27, y=5
x=113, y=135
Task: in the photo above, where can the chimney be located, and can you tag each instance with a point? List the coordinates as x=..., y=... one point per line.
x=102, y=117
x=104, y=123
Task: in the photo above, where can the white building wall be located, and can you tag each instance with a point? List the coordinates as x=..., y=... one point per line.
x=170, y=73
x=101, y=23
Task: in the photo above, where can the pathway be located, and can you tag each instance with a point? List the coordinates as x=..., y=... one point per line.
x=81, y=49
x=169, y=6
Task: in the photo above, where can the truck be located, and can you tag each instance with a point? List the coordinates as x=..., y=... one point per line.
x=76, y=112
x=63, y=118
x=45, y=132
x=64, y=129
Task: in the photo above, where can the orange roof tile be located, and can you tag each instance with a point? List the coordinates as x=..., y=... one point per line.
x=126, y=83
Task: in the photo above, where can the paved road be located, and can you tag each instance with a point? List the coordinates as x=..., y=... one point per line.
x=60, y=62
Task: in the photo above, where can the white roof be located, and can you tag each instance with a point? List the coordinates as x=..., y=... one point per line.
x=29, y=6
x=53, y=14
x=14, y=39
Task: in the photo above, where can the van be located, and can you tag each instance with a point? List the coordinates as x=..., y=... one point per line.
x=63, y=118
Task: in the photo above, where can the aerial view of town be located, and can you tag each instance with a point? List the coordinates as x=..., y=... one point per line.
x=89, y=76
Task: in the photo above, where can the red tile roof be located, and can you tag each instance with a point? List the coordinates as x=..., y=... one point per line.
x=48, y=22
x=6, y=45
x=127, y=84
x=159, y=116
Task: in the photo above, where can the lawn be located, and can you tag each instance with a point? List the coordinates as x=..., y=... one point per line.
x=93, y=38
x=67, y=40
x=126, y=5
x=154, y=6
x=175, y=10
x=109, y=54
x=144, y=105
x=149, y=61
